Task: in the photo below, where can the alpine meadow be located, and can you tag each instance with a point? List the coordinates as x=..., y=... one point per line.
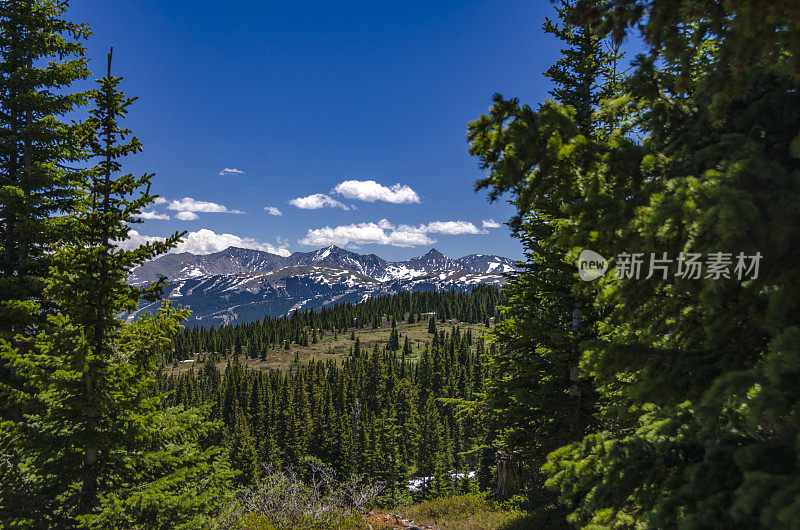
x=221, y=308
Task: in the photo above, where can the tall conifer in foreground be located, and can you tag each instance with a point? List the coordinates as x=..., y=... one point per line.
x=708, y=365
x=41, y=55
x=536, y=392
x=99, y=449
x=699, y=372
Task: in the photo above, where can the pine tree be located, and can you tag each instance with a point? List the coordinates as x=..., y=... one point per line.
x=98, y=448
x=394, y=340
x=538, y=396
x=691, y=364
x=242, y=450
x=698, y=377
x=430, y=445
x=432, y=326
x=42, y=56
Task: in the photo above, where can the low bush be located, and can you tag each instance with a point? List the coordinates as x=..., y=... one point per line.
x=307, y=499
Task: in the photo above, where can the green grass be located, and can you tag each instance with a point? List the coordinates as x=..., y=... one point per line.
x=329, y=348
x=468, y=512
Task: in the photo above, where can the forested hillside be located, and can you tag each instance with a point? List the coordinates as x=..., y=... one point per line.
x=639, y=368
x=323, y=326
x=386, y=412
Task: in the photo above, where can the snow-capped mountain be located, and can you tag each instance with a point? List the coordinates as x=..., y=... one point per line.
x=487, y=263
x=235, y=260
x=433, y=261
x=367, y=264
x=232, y=260
x=243, y=285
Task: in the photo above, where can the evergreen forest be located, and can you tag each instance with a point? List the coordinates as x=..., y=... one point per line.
x=661, y=392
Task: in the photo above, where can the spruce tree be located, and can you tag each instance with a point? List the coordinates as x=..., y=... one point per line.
x=430, y=443
x=98, y=446
x=697, y=376
x=41, y=56
x=695, y=361
x=432, y=326
x=243, y=453
x=537, y=393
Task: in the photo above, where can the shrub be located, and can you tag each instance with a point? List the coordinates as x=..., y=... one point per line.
x=309, y=500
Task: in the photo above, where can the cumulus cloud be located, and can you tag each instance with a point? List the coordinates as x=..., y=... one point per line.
x=451, y=228
x=371, y=191
x=160, y=200
x=205, y=241
x=135, y=239
x=272, y=210
x=187, y=216
x=231, y=171
x=385, y=233
x=317, y=201
x=188, y=204
x=149, y=214
x=490, y=223
x=365, y=233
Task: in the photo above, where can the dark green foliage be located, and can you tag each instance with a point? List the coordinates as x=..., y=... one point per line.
x=538, y=397
x=95, y=446
x=242, y=449
x=376, y=413
x=394, y=340
x=41, y=55
x=696, y=378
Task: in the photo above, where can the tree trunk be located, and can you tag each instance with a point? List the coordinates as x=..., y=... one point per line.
x=507, y=475
x=574, y=375
x=90, y=454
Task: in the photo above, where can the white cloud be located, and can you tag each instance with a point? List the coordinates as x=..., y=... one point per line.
x=385, y=233
x=205, y=241
x=135, y=239
x=317, y=201
x=381, y=233
x=160, y=200
x=371, y=191
x=490, y=223
x=187, y=216
x=272, y=210
x=188, y=204
x=231, y=171
x=451, y=228
x=153, y=215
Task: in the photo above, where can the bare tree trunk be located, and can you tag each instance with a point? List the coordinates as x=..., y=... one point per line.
x=90, y=454
x=507, y=475
x=574, y=375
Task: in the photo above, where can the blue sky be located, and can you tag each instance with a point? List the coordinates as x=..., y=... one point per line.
x=301, y=97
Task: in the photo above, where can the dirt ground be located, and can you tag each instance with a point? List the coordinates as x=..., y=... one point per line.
x=380, y=520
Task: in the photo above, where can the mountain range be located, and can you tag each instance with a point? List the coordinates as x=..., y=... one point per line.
x=243, y=285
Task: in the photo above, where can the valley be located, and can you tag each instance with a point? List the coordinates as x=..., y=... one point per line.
x=334, y=346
